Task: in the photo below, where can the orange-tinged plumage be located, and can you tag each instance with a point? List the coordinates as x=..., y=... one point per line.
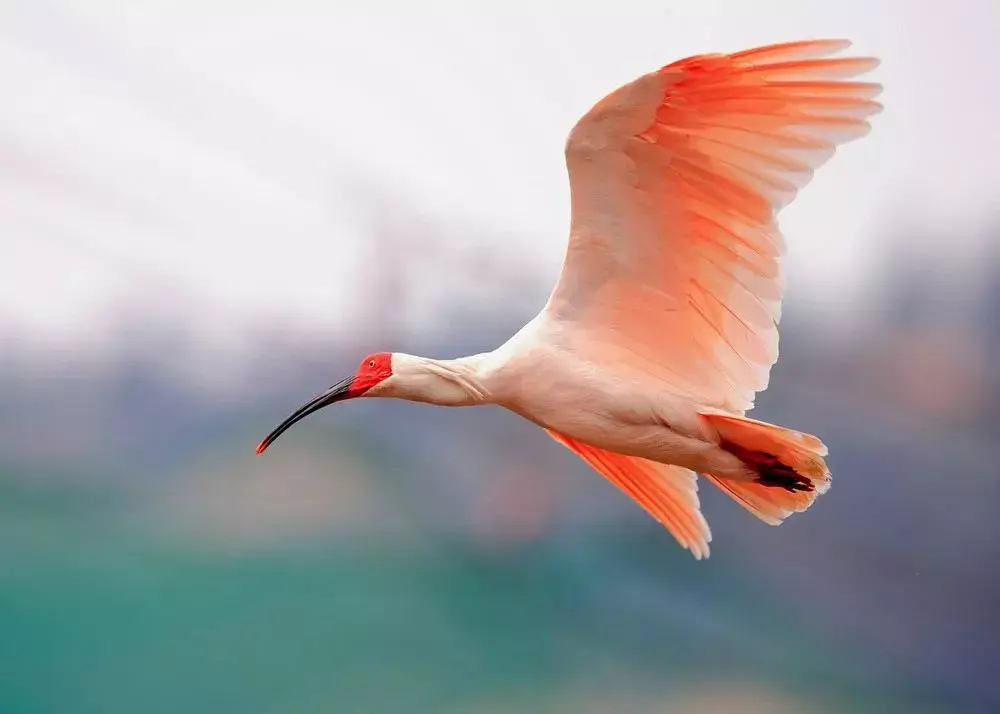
x=663, y=324
x=731, y=140
x=668, y=493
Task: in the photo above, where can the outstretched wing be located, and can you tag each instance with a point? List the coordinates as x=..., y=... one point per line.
x=668, y=493
x=676, y=180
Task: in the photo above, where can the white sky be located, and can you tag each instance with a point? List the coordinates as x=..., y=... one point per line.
x=211, y=145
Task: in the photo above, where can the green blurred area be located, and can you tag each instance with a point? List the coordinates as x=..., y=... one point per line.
x=101, y=616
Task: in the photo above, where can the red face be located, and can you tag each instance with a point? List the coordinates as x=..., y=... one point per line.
x=374, y=368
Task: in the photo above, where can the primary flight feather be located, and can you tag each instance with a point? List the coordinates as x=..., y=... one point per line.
x=662, y=325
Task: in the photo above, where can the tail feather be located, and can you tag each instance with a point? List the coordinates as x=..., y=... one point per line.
x=791, y=472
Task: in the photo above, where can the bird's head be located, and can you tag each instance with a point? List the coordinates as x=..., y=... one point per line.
x=403, y=376
x=370, y=379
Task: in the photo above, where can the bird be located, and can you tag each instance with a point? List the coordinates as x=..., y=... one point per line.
x=663, y=323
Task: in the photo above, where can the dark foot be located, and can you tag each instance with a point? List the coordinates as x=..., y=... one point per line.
x=772, y=472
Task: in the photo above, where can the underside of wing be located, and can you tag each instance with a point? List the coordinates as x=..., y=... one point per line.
x=676, y=181
x=668, y=493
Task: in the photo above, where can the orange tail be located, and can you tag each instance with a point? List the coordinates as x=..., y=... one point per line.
x=790, y=466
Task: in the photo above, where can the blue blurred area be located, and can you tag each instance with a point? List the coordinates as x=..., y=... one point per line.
x=387, y=557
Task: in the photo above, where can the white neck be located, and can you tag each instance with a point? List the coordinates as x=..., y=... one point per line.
x=453, y=382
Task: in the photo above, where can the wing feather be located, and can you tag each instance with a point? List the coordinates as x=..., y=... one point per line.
x=668, y=493
x=676, y=181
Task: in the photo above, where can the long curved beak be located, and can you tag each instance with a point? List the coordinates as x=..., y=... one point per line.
x=337, y=393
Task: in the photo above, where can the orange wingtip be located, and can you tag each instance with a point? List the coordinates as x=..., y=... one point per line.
x=668, y=493
x=261, y=447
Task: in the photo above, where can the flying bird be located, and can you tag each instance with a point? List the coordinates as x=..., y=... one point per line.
x=662, y=325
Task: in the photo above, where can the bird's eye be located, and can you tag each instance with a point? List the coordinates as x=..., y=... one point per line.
x=371, y=363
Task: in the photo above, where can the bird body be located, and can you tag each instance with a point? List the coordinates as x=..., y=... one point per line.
x=663, y=323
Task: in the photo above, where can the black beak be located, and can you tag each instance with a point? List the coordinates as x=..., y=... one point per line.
x=337, y=393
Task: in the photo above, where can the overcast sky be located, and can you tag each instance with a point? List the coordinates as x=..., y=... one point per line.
x=213, y=147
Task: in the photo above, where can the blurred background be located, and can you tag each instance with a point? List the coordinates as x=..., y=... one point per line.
x=210, y=211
